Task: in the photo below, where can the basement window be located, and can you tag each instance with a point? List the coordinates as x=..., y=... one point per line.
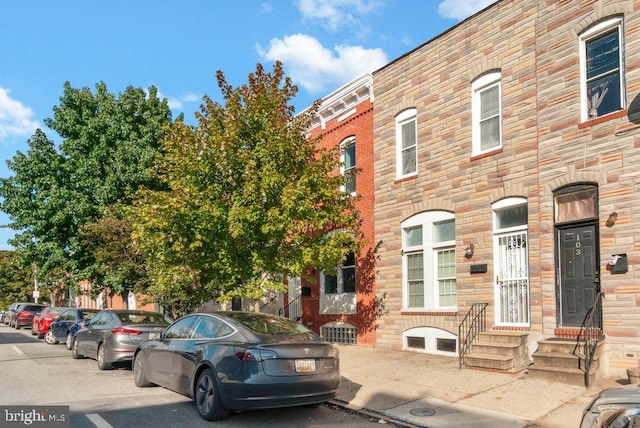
x=430, y=340
x=338, y=332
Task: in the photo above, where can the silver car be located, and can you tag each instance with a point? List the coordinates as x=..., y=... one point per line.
x=112, y=335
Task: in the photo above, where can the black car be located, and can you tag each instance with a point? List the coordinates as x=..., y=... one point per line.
x=239, y=361
x=65, y=326
x=112, y=335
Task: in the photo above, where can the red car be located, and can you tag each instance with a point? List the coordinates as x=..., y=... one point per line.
x=41, y=322
x=25, y=313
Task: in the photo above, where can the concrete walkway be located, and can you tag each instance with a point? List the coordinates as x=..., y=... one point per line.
x=431, y=391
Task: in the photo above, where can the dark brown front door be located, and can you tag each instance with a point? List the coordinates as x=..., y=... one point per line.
x=579, y=272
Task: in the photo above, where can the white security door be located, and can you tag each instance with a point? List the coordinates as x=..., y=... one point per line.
x=512, y=279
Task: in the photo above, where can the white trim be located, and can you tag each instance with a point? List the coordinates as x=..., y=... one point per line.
x=585, y=37
x=430, y=335
x=429, y=250
x=345, y=142
x=403, y=118
x=477, y=87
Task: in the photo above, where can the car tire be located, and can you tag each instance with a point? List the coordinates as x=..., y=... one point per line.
x=16, y=326
x=33, y=333
x=74, y=351
x=40, y=335
x=49, y=338
x=69, y=341
x=102, y=363
x=208, y=399
x=139, y=373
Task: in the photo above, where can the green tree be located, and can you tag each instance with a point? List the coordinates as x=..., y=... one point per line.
x=248, y=199
x=16, y=280
x=108, y=145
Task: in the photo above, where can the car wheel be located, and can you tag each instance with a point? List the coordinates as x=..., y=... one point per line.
x=69, y=341
x=50, y=338
x=33, y=333
x=74, y=350
x=208, y=399
x=102, y=364
x=16, y=326
x=40, y=335
x=139, y=374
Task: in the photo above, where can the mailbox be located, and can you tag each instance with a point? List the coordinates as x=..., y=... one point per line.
x=618, y=263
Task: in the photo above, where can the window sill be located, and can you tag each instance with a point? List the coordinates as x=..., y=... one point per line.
x=602, y=119
x=406, y=178
x=449, y=312
x=486, y=154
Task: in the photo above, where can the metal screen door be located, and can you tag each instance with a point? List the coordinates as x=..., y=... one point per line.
x=512, y=279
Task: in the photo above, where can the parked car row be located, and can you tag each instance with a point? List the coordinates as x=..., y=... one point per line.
x=224, y=361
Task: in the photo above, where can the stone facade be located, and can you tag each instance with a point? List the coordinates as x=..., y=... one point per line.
x=547, y=145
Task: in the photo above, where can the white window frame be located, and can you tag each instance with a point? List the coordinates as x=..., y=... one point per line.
x=343, y=163
x=480, y=85
x=585, y=38
x=340, y=302
x=431, y=336
x=402, y=119
x=429, y=249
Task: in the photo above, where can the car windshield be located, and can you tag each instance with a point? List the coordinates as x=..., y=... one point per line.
x=55, y=311
x=143, y=318
x=266, y=324
x=33, y=308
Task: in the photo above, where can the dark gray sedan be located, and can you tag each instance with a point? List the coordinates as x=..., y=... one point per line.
x=112, y=335
x=239, y=361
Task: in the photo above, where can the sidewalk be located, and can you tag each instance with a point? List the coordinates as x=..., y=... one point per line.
x=426, y=390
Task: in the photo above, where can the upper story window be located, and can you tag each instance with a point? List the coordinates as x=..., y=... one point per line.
x=406, y=144
x=602, y=79
x=348, y=168
x=487, y=113
x=429, y=262
x=344, y=281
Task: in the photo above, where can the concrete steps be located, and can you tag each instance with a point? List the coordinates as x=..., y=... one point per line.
x=562, y=360
x=499, y=350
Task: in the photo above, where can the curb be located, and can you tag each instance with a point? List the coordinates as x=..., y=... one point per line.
x=372, y=414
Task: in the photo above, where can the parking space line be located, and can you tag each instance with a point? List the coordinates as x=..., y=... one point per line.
x=15, y=348
x=98, y=421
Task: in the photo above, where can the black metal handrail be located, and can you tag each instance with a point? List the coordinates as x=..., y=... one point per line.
x=591, y=334
x=474, y=322
x=293, y=310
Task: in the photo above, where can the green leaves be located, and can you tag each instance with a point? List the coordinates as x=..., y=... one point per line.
x=248, y=198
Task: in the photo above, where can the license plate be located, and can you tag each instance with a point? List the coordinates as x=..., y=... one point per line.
x=305, y=366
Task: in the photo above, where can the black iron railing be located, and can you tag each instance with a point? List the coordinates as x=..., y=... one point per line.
x=591, y=334
x=293, y=310
x=474, y=323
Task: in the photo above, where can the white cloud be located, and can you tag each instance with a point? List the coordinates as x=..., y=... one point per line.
x=315, y=67
x=338, y=15
x=177, y=103
x=461, y=9
x=16, y=120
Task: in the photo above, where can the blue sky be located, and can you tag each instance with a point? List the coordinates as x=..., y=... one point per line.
x=178, y=46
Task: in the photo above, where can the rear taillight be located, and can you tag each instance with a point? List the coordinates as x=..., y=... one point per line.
x=255, y=355
x=122, y=330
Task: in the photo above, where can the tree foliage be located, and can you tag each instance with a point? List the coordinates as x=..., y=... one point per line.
x=108, y=145
x=16, y=280
x=248, y=198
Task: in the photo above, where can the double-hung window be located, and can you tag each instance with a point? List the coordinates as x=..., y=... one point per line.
x=487, y=113
x=349, y=165
x=406, y=144
x=429, y=261
x=602, y=65
x=344, y=281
